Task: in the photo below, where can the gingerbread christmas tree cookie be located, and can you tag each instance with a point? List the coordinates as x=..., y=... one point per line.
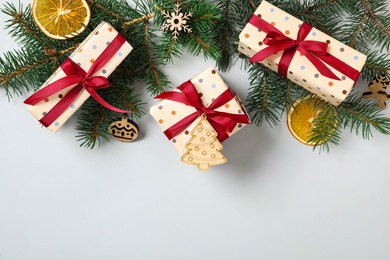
x=203, y=149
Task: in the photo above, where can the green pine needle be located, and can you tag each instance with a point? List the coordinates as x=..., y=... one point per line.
x=362, y=115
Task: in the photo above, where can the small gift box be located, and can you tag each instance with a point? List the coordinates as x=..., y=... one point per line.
x=301, y=53
x=79, y=76
x=198, y=116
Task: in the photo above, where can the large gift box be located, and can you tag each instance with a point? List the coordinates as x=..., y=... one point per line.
x=204, y=102
x=303, y=54
x=79, y=76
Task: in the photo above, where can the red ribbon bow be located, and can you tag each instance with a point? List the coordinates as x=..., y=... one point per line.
x=222, y=122
x=84, y=80
x=314, y=51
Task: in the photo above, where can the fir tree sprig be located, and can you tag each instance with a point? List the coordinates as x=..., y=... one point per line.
x=362, y=115
x=378, y=23
x=377, y=63
x=21, y=27
x=266, y=91
x=18, y=70
x=259, y=104
x=326, y=125
x=92, y=124
x=366, y=24
x=269, y=95
x=156, y=80
x=356, y=113
x=226, y=32
x=26, y=69
x=114, y=12
x=196, y=32
x=324, y=15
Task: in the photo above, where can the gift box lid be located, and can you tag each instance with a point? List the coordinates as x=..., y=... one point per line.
x=84, y=56
x=301, y=70
x=209, y=85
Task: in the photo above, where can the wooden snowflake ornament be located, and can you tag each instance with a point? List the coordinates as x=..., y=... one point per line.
x=377, y=90
x=176, y=21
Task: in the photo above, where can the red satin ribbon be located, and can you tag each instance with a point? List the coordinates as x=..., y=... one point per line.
x=84, y=80
x=222, y=122
x=314, y=51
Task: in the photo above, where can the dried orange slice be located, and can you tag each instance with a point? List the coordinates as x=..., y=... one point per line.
x=61, y=19
x=300, y=118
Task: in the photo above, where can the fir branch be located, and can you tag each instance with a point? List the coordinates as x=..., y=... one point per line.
x=142, y=19
x=375, y=18
x=263, y=100
x=195, y=35
x=242, y=10
x=359, y=27
x=380, y=69
x=149, y=55
x=169, y=51
x=325, y=126
x=226, y=33
x=92, y=125
x=18, y=70
x=202, y=44
x=252, y=4
x=361, y=115
x=161, y=10
x=122, y=98
x=204, y=17
x=322, y=14
x=19, y=18
x=367, y=23
x=288, y=98
x=105, y=9
x=156, y=81
x=55, y=54
x=313, y=8
x=22, y=27
x=5, y=79
x=376, y=64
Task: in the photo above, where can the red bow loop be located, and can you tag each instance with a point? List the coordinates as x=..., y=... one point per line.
x=276, y=37
x=69, y=67
x=277, y=42
x=95, y=82
x=320, y=48
x=222, y=122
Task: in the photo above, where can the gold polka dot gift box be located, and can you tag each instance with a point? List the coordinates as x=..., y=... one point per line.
x=198, y=116
x=79, y=76
x=301, y=53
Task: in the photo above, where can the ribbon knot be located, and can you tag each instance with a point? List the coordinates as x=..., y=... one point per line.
x=277, y=42
x=222, y=122
x=79, y=79
x=205, y=111
x=83, y=82
x=315, y=51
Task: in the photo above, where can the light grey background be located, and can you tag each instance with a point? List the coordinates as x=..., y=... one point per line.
x=274, y=199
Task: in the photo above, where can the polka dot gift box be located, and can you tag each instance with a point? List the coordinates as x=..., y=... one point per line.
x=301, y=53
x=90, y=64
x=199, y=115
